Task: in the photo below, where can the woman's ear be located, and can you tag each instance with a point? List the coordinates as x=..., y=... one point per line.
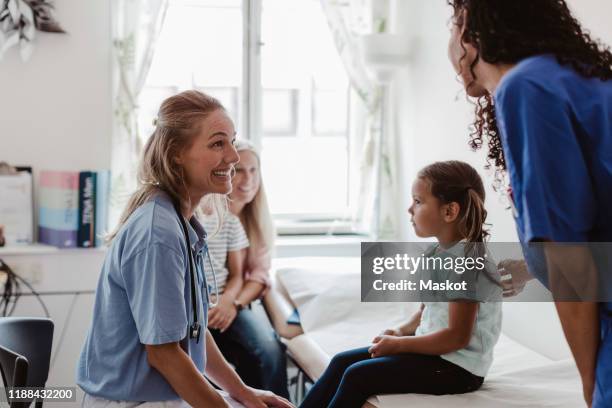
x=178, y=159
x=450, y=212
x=461, y=21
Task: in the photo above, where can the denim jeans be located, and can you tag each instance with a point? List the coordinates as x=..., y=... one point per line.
x=353, y=376
x=253, y=348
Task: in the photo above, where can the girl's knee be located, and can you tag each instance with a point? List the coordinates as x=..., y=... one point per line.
x=346, y=358
x=354, y=375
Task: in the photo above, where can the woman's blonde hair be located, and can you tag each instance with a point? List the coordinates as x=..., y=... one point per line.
x=177, y=123
x=255, y=216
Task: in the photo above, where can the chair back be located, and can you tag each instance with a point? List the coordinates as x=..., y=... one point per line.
x=14, y=372
x=25, y=351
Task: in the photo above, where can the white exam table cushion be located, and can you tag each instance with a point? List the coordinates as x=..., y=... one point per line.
x=326, y=292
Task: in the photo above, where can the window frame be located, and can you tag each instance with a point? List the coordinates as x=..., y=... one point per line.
x=247, y=100
x=252, y=90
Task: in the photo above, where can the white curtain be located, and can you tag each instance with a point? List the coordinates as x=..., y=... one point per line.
x=373, y=162
x=390, y=213
x=136, y=27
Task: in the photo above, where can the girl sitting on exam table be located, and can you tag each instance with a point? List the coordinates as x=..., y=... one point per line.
x=240, y=252
x=447, y=346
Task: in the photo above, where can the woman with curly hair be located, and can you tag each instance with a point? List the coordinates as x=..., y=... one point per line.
x=543, y=96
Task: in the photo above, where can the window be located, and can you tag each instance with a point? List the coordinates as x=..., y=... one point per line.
x=199, y=47
x=306, y=175
x=287, y=91
x=280, y=116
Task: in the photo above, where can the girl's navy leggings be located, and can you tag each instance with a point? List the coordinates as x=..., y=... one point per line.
x=353, y=376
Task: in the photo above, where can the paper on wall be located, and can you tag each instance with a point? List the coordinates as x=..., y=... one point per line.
x=16, y=209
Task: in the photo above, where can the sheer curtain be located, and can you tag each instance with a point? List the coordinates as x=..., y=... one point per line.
x=136, y=27
x=373, y=155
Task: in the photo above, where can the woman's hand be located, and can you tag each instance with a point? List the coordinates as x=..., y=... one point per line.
x=254, y=398
x=514, y=276
x=385, y=345
x=222, y=316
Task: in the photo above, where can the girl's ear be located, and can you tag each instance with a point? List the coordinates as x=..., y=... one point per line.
x=450, y=212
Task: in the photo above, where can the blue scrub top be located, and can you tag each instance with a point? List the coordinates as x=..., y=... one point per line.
x=144, y=297
x=556, y=131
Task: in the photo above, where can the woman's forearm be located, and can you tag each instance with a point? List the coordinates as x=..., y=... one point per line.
x=219, y=371
x=233, y=287
x=251, y=290
x=235, y=263
x=178, y=369
x=580, y=322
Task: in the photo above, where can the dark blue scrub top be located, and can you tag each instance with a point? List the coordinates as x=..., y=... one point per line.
x=556, y=131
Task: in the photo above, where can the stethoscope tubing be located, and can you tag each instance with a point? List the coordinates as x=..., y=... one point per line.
x=214, y=303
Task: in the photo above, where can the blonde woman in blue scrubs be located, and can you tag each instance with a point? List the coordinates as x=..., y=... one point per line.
x=143, y=347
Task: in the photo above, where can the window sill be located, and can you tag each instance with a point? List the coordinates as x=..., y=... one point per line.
x=319, y=245
x=298, y=240
x=314, y=227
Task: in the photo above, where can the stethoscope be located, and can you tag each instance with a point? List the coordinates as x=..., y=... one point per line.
x=194, y=328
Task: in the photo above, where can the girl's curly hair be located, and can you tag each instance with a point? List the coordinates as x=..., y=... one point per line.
x=506, y=32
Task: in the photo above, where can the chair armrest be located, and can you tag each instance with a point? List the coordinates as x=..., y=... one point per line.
x=279, y=308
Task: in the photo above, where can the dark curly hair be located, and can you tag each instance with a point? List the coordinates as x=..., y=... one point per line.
x=508, y=31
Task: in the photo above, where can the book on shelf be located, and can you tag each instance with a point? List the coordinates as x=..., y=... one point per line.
x=73, y=208
x=58, y=215
x=86, y=236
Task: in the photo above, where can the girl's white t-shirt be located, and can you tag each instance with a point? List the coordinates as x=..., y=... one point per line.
x=477, y=357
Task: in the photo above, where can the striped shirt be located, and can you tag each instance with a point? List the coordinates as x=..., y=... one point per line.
x=230, y=237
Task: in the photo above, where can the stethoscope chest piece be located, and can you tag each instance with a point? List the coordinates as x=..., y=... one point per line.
x=194, y=331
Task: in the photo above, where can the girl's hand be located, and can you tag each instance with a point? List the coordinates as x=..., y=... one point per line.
x=222, y=316
x=388, y=332
x=385, y=345
x=392, y=332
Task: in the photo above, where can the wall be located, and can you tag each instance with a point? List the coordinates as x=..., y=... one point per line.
x=55, y=109
x=55, y=113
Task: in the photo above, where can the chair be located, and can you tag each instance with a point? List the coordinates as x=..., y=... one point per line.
x=25, y=353
x=14, y=372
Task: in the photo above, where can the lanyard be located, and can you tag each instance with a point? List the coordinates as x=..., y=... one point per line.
x=194, y=328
